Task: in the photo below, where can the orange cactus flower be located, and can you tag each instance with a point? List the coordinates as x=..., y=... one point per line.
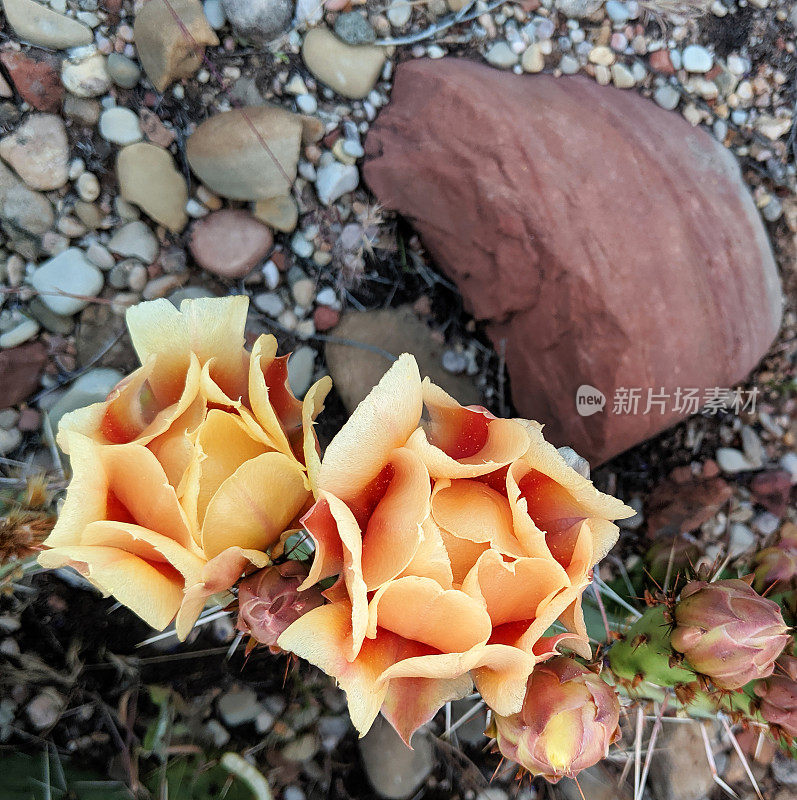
x=457, y=543
x=191, y=469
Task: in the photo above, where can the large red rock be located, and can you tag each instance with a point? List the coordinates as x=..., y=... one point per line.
x=607, y=241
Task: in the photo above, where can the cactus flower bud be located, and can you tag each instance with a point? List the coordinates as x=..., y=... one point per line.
x=269, y=601
x=778, y=697
x=776, y=566
x=728, y=632
x=568, y=720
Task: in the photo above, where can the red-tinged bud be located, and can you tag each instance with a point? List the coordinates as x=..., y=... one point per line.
x=778, y=695
x=568, y=720
x=728, y=632
x=269, y=601
x=776, y=568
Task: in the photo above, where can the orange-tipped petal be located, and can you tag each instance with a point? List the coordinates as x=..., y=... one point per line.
x=412, y=702
x=393, y=532
x=320, y=636
x=254, y=505
x=323, y=530
x=379, y=425
x=431, y=559
x=312, y=406
x=514, y=590
x=472, y=511
x=420, y=610
x=124, y=575
x=217, y=575
x=462, y=442
x=211, y=328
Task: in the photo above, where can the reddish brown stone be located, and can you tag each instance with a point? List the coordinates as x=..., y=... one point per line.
x=230, y=243
x=36, y=79
x=604, y=240
x=154, y=129
x=20, y=368
x=661, y=62
x=325, y=318
x=675, y=506
x=771, y=490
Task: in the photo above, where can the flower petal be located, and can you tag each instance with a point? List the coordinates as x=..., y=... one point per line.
x=381, y=423
x=312, y=406
x=393, y=533
x=320, y=637
x=431, y=559
x=254, y=505
x=465, y=442
x=122, y=574
x=420, y=610
x=472, y=511
x=217, y=575
x=514, y=590
x=211, y=328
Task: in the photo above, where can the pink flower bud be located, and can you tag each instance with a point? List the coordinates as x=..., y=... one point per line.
x=728, y=632
x=776, y=568
x=269, y=601
x=779, y=697
x=568, y=720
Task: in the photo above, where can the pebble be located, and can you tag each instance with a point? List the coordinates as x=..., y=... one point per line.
x=325, y=318
x=279, y=212
x=306, y=103
x=454, y=362
x=399, y=13
x=270, y=303
x=27, y=210
x=303, y=292
x=41, y=26
x=86, y=75
x=602, y=56
x=71, y=272
x=395, y=770
x=214, y=13
x=149, y=179
x=667, y=97
x=501, y=55
x=123, y=71
x=165, y=51
x=350, y=70
x=618, y=12
x=742, y=540
x=697, y=59
x=20, y=333
x=258, y=21
x=301, y=246
x=238, y=707
x=120, y=126
x=309, y=12
x=568, y=65
x=353, y=28
x=163, y=285
x=231, y=161
x=788, y=461
x=622, y=77
x=88, y=187
x=300, y=370
x=334, y=180
x=732, y=461
x=533, y=59
x=753, y=448
x=134, y=240
x=38, y=151
x=327, y=297
x=230, y=243
x=10, y=440
x=578, y=9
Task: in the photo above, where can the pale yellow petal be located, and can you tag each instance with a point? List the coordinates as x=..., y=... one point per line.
x=380, y=424
x=254, y=505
